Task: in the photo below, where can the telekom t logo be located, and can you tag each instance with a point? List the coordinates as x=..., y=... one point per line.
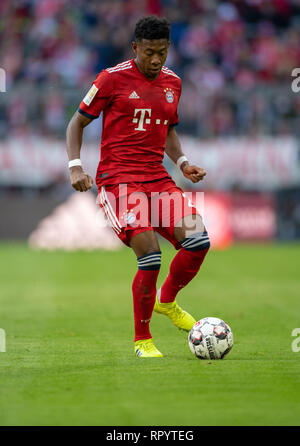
x=142, y=112
x=144, y=117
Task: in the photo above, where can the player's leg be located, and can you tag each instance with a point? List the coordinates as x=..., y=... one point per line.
x=147, y=250
x=144, y=243
x=185, y=265
x=189, y=236
x=194, y=241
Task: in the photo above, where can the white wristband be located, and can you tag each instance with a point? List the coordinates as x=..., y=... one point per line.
x=76, y=162
x=181, y=160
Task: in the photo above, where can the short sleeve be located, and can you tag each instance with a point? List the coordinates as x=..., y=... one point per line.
x=98, y=97
x=174, y=119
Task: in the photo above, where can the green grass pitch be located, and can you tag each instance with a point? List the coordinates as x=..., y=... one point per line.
x=69, y=341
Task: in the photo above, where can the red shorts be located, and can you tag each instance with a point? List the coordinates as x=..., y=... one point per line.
x=137, y=207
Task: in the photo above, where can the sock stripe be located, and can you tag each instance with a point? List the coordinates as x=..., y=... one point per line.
x=195, y=236
x=199, y=240
x=195, y=242
x=206, y=245
x=149, y=261
x=157, y=262
x=157, y=257
x=150, y=267
x=149, y=254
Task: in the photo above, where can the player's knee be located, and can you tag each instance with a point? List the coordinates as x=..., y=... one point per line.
x=196, y=242
x=150, y=261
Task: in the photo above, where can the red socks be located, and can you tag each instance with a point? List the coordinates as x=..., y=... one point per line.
x=184, y=267
x=144, y=292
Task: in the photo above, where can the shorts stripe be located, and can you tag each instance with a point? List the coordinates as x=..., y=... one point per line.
x=111, y=209
x=109, y=217
x=107, y=210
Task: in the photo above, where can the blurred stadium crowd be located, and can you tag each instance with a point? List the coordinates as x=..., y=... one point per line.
x=235, y=59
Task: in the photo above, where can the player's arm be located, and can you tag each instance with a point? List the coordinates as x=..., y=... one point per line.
x=95, y=101
x=174, y=152
x=79, y=179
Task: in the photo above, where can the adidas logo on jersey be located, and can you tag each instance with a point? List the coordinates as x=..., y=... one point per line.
x=134, y=95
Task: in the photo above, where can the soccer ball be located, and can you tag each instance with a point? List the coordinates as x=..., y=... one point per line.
x=210, y=338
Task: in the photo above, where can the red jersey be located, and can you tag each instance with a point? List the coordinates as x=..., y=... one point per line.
x=137, y=113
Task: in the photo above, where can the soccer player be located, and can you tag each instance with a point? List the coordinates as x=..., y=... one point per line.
x=139, y=100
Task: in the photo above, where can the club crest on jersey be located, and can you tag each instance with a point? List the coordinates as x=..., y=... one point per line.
x=169, y=95
x=128, y=217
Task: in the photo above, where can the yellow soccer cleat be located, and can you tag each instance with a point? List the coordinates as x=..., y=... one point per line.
x=180, y=318
x=146, y=349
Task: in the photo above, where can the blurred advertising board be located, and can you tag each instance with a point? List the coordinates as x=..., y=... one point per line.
x=217, y=208
x=251, y=163
x=238, y=216
x=253, y=216
x=288, y=213
x=263, y=163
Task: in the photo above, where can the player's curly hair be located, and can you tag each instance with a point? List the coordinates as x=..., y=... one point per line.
x=152, y=27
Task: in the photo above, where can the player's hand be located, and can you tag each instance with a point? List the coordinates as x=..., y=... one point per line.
x=80, y=180
x=193, y=173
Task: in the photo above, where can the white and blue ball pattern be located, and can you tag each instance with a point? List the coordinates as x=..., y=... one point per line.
x=210, y=338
